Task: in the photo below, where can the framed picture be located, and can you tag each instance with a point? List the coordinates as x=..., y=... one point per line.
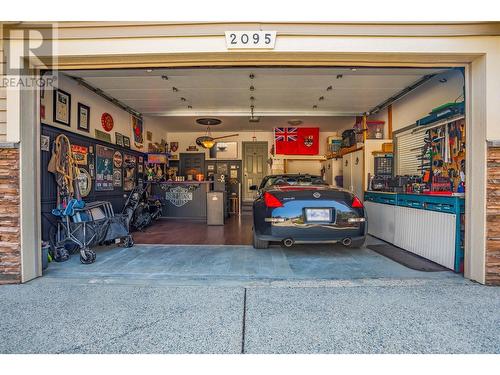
x=44, y=143
x=62, y=107
x=126, y=142
x=83, y=117
x=137, y=129
x=119, y=139
x=149, y=136
x=227, y=150
x=104, y=168
x=103, y=136
x=129, y=172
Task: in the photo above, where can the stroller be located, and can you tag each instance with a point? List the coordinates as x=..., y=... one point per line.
x=82, y=226
x=140, y=210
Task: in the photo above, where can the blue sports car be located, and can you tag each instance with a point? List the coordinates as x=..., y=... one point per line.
x=295, y=208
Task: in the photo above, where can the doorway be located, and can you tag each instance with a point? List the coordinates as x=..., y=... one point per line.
x=254, y=167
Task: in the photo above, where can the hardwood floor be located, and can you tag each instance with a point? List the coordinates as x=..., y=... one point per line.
x=236, y=231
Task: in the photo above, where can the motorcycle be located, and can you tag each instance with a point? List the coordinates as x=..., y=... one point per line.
x=140, y=209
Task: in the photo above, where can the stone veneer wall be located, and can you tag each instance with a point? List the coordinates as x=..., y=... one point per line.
x=493, y=217
x=10, y=233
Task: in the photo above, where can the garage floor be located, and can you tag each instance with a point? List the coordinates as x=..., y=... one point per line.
x=236, y=231
x=238, y=264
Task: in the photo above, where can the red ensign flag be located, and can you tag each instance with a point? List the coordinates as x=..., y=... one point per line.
x=296, y=141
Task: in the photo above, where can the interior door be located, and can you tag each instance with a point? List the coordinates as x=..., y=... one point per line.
x=254, y=166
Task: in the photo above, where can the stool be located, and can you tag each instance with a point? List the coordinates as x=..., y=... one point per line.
x=234, y=203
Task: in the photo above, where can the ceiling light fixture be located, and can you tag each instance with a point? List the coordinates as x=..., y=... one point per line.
x=175, y=89
x=321, y=98
x=208, y=121
x=164, y=77
x=339, y=76
x=295, y=122
x=329, y=88
x=353, y=69
x=190, y=107
x=183, y=99
x=149, y=70
x=252, y=88
x=443, y=80
x=252, y=76
x=315, y=106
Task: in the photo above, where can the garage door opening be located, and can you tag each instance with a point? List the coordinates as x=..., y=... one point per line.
x=194, y=141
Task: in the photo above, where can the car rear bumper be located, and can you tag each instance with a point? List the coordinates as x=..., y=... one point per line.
x=312, y=240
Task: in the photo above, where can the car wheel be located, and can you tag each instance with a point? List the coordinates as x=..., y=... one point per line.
x=259, y=244
x=358, y=243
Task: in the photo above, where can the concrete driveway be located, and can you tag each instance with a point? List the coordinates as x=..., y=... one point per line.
x=113, y=308
x=374, y=316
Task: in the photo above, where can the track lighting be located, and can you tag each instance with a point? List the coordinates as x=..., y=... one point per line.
x=339, y=76
x=252, y=88
x=164, y=77
x=175, y=89
x=329, y=88
x=252, y=76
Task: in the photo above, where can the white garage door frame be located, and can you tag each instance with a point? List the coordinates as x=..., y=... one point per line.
x=475, y=69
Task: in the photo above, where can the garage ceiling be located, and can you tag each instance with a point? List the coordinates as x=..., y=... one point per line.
x=182, y=124
x=277, y=91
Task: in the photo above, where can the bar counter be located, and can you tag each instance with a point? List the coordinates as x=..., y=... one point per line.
x=182, y=199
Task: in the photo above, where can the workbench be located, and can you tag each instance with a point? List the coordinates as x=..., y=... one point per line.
x=431, y=226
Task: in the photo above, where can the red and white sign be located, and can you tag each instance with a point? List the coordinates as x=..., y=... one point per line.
x=107, y=121
x=296, y=141
x=79, y=154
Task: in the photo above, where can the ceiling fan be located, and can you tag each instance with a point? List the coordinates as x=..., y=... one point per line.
x=207, y=141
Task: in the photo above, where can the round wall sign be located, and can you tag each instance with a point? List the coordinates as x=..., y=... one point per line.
x=107, y=121
x=117, y=159
x=84, y=182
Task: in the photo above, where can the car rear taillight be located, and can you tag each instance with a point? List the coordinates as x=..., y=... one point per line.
x=271, y=201
x=356, y=203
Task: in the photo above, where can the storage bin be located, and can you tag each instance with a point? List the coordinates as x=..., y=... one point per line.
x=45, y=255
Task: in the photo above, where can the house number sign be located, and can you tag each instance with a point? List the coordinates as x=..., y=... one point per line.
x=250, y=39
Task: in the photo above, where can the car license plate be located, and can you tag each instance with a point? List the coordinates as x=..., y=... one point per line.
x=318, y=214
